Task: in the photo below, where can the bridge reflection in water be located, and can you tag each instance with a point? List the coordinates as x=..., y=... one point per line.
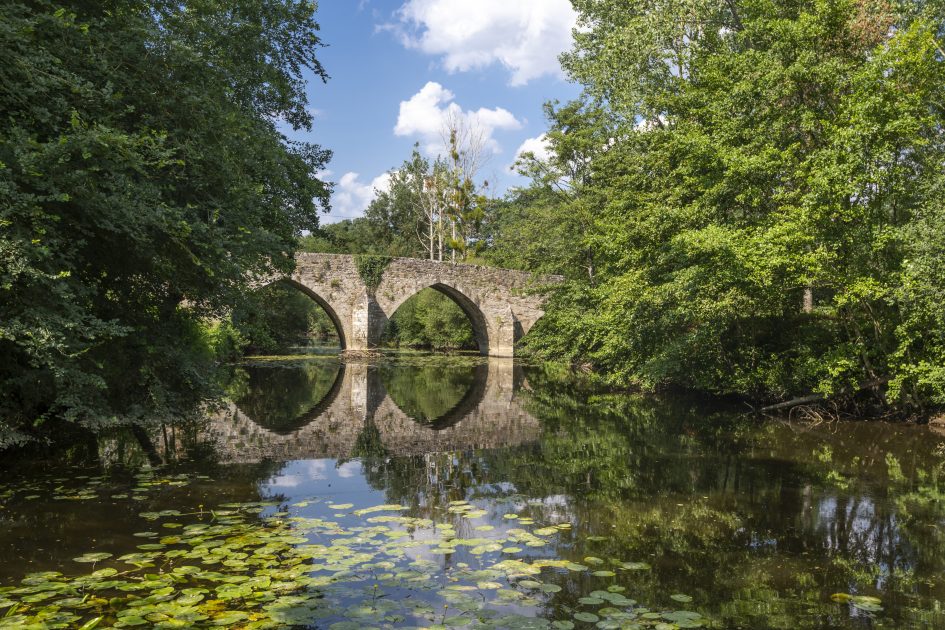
x=358, y=416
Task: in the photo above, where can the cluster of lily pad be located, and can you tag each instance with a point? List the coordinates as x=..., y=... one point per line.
x=265, y=565
x=89, y=487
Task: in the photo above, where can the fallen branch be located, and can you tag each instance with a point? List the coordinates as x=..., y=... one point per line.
x=819, y=398
x=794, y=402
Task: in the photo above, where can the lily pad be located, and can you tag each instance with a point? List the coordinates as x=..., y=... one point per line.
x=93, y=557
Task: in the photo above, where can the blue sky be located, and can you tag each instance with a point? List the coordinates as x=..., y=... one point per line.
x=397, y=67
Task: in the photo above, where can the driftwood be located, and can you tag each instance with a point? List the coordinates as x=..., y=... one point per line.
x=794, y=402
x=819, y=398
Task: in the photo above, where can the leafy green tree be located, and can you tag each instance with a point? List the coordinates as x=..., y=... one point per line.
x=765, y=197
x=398, y=212
x=467, y=202
x=144, y=179
x=430, y=320
x=351, y=236
x=407, y=219
x=278, y=317
x=547, y=227
x=537, y=230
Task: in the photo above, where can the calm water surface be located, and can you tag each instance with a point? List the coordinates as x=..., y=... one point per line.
x=436, y=492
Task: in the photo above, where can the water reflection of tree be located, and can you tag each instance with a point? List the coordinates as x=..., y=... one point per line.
x=279, y=398
x=427, y=392
x=741, y=514
x=58, y=529
x=369, y=443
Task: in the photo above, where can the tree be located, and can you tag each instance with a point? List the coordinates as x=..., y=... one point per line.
x=430, y=320
x=144, y=181
x=279, y=317
x=402, y=220
x=434, y=199
x=465, y=198
x=547, y=226
x=754, y=151
x=410, y=211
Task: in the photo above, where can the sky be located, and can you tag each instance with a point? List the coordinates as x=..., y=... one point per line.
x=398, y=67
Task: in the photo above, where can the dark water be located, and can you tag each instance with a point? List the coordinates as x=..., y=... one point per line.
x=459, y=493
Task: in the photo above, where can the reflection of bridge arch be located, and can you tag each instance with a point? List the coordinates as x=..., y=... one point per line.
x=284, y=399
x=471, y=398
x=489, y=416
x=322, y=405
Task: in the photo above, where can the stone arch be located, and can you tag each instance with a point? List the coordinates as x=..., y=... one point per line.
x=474, y=314
x=322, y=302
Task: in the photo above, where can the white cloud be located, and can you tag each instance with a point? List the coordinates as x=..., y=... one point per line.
x=298, y=473
x=525, y=36
x=427, y=112
x=539, y=147
x=316, y=469
x=351, y=195
x=349, y=469
x=286, y=481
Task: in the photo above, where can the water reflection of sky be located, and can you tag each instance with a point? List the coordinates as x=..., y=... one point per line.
x=321, y=478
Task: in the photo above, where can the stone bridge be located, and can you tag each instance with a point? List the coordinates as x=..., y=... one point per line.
x=501, y=304
x=358, y=418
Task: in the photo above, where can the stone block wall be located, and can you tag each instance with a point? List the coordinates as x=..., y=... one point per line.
x=502, y=304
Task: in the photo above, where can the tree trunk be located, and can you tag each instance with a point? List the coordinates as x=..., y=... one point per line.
x=431, y=243
x=808, y=305
x=439, y=234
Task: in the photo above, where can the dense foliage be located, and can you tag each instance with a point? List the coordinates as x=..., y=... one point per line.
x=131, y=208
x=753, y=191
x=275, y=319
x=746, y=199
x=432, y=321
x=432, y=209
x=371, y=269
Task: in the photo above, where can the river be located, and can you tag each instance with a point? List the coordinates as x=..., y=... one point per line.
x=443, y=492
